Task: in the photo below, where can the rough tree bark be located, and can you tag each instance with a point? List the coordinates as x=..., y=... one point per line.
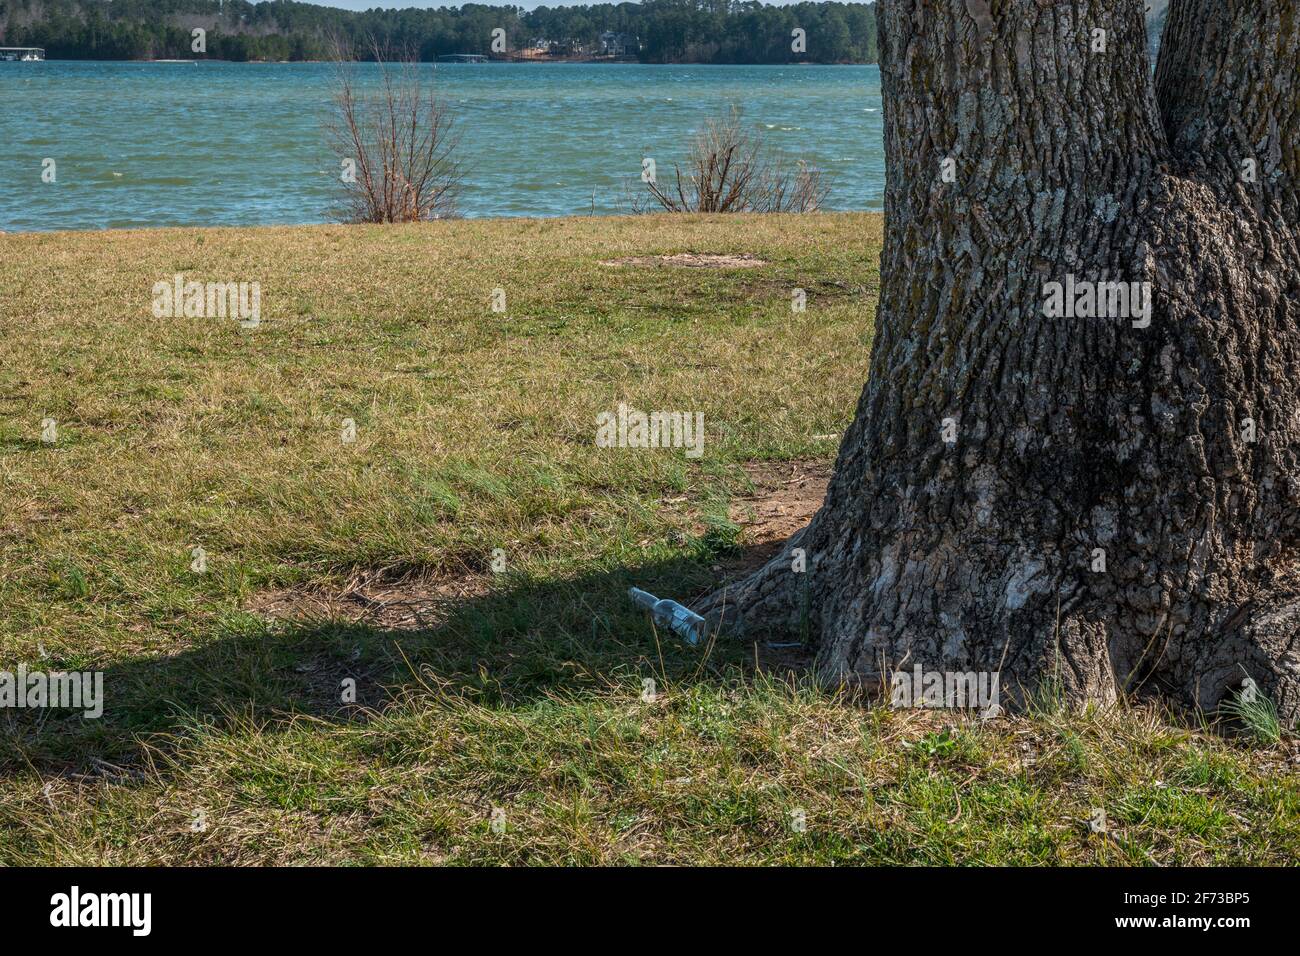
x=1074, y=438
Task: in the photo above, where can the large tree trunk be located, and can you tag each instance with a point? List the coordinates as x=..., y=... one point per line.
x=1074, y=439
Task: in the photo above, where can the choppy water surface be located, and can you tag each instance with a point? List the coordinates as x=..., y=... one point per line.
x=155, y=144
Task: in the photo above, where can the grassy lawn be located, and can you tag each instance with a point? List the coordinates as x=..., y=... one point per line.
x=500, y=716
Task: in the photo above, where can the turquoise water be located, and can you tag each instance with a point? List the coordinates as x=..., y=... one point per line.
x=158, y=144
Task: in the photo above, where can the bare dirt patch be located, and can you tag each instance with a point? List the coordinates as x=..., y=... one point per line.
x=377, y=600
x=394, y=605
x=784, y=498
x=691, y=260
x=786, y=495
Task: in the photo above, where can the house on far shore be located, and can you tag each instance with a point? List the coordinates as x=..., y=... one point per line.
x=619, y=44
x=565, y=48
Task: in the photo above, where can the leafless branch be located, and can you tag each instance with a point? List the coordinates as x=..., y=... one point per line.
x=729, y=170
x=400, y=139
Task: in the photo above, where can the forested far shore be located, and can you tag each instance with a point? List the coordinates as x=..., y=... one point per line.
x=655, y=31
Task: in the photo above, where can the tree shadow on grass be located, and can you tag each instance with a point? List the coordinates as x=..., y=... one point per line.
x=516, y=640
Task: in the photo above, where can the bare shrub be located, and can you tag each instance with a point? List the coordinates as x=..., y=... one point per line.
x=400, y=139
x=728, y=169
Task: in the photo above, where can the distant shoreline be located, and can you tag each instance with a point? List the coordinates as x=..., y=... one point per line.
x=609, y=61
x=450, y=222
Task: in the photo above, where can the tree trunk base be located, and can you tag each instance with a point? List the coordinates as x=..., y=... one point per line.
x=1075, y=661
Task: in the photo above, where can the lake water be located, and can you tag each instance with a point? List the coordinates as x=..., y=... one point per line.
x=159, y=144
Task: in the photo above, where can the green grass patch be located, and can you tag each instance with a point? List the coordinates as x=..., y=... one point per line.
x=523, y=714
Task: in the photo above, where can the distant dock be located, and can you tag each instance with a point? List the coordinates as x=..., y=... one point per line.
x=21, y=54
x=462, y=58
